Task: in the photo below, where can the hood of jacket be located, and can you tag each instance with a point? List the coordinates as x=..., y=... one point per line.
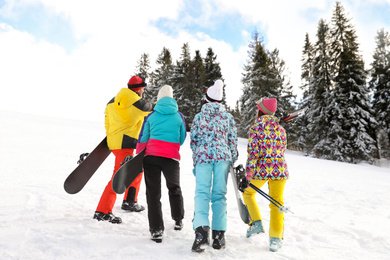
x=166, y=106
x=213, y=109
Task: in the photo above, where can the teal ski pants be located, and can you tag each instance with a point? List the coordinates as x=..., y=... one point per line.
x=211, y=182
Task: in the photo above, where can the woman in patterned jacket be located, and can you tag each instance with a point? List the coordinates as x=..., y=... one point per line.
x=214, y=147
x=266, y=163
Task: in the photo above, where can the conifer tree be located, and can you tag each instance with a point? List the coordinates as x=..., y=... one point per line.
x=380, y=85
x=307, y=69
x=318, y=95
x=213, y=71
x=285, y=96
x=182, y=76
x=258, y=83
x=352, y=122
x=142, y=70
x=198, y=87
x=212, y=67
x=306, y=75
x=162, y=75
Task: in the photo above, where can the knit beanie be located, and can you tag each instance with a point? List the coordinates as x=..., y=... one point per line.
x=215, y=92
x=267, y=106
x=165, y=91
x=136, y=83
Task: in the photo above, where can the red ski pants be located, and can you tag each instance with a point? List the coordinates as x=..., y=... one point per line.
x=108, y=198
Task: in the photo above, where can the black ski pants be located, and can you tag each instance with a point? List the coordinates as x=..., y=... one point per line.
x=153, y=166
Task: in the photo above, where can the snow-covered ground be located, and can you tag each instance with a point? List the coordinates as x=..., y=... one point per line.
x=342, y=211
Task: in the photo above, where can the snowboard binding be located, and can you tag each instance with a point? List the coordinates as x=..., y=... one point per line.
x=128, y=158
x=240, y=174
x=82, y=157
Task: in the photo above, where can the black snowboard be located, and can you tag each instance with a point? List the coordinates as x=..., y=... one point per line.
x=84, y=171
x=127, y=173
x=243, y=210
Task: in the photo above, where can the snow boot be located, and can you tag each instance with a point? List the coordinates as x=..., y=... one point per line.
x=201, y=239
x=219, y=239
x=157, y=235
x=178, y=224
x=275, y=244
x=132, y=206
x=255, y=228
x=100, y=216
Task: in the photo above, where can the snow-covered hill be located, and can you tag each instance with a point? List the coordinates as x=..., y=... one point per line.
x=341, y=210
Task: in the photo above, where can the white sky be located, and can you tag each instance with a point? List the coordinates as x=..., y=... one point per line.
x=69, y=58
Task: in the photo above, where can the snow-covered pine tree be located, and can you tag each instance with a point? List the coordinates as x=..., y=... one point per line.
x=281, y=83
x=352, y=121
x=258, y=83
x=318, y=95
x=285, y=96
x=162, y=75
x=182, y=83
x=199, y=88
x=142, y=70
x=306, y=68
x=380, y=85
x=213, y=71
x=306, y=75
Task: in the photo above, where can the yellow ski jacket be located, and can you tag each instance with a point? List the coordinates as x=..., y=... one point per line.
x=124, y=117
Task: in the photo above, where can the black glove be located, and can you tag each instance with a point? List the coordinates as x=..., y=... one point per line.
x=242, y=182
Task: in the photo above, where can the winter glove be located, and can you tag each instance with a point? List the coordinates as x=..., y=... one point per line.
x=193, y=172
x=243, y=184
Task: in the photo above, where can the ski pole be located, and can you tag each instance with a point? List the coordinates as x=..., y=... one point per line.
x=272, y=200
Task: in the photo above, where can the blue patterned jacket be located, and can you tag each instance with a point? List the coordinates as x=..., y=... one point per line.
x=213, y=135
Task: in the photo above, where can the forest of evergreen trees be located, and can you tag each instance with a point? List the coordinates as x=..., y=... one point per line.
x=348, y=115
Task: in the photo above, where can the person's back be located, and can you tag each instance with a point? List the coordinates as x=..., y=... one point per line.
x=214, y=147
x=162, y=134
x=124, y=118
x=212, y=134
x=167, y=130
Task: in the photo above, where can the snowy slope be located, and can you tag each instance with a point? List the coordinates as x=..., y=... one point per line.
x=341, y=210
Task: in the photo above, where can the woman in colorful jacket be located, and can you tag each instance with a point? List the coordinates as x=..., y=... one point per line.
x=162, y=134
x=125, y=114
x=214, y=147
x=266, y=163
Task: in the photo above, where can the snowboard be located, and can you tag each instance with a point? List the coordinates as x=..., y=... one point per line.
x=87, y=167
x=243, y=210
x=127, y=173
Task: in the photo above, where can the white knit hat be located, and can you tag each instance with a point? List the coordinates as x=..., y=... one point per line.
x=215, y=92
x=165, y=91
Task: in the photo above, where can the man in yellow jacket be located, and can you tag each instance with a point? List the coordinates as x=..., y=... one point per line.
x=125, y=115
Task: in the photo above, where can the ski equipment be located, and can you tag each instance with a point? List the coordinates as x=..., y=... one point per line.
x=236, y=174
x=272, y=200
x=127, y=173
x=88, y=164
x=288, y=118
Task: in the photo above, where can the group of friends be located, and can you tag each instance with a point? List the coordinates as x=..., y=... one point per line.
x=133, y=124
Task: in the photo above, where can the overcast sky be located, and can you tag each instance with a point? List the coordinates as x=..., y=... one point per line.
x=68, y=58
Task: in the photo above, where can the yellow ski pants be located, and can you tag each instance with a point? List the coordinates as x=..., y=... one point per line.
x=276, y=189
